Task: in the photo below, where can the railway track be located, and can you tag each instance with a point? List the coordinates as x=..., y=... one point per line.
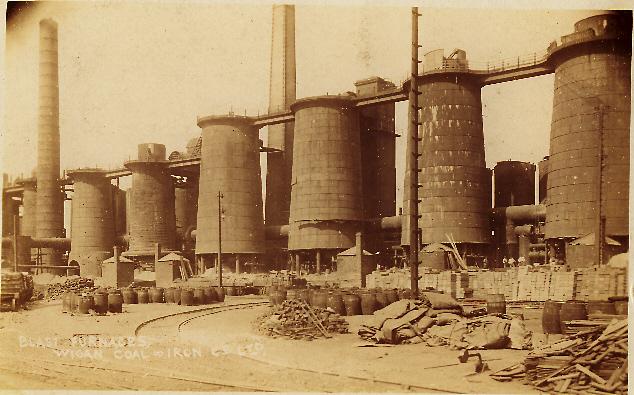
x=182, y=318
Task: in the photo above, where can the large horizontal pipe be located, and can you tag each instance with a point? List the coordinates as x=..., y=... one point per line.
x=524, y=230
x=50, y=267
x=521, y=214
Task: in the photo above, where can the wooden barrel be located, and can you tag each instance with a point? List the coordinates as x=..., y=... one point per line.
x=230, y=291
x=176, y=293
x=368, y=302
x=74, y=302
x=352, y=304
x=129, y=296
x=220, y=292
x=600, y=307
x=392, y=295
x=572, y=310
x=187, y=297
x=157, y=295
x=335, y=302
x=620, y=306
x=100, y=302
x=496, y=304
x=381, y=298
x=199, y=296
x=168, y=293
x=550, y=317
x=85, y=304
x=210, y=294
x=320, y=298
x=115, y=302
x=143, y=296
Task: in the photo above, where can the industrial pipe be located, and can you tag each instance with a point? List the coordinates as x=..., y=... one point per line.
x=521, y=214
x=524, y=230
x=276, y=231
x=61, y=243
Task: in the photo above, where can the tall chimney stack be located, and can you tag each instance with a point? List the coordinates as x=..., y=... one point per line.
x=282, y=92
x=50, y=203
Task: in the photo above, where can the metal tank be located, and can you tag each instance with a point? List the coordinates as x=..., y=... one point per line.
x=151, y=208
x=455, y=184
x=50, y=200
x=92, y=220
x=591, y=115
x=514, y=183
x=326, y=194
x=29, y=199
x=230, y=165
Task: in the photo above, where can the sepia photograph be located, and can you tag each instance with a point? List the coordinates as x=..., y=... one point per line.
x=320, y=196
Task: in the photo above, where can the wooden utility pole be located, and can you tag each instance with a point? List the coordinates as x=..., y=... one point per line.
x=415, y=139
x=599, y=229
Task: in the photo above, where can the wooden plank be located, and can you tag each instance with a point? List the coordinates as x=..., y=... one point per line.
x=590, y=374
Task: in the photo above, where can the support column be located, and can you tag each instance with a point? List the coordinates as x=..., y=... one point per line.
x=298, y=262
x=318, y=261
x=237, y=263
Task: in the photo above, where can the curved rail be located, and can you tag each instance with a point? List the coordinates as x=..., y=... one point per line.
x=210, y=310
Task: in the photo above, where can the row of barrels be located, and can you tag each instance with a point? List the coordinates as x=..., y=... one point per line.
x=103, y=300
x=342, y=301
x=555, y=314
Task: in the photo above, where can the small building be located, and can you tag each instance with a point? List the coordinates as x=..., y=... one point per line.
x=168, y=269
x=118, y=271
x=354, y=264
x=581, y=252
x=435, y=256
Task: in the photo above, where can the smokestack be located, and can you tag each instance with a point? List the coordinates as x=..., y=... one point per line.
x=281, y=95
x=49, y=206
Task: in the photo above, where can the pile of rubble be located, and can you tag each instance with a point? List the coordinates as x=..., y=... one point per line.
x=295, y=319
x=75, y=284
x=438, y=319
x=591, y=361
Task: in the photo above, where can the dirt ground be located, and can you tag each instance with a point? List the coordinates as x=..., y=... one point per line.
x=43, y=348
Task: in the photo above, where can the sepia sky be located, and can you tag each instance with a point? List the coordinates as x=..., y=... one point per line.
x=138, y=72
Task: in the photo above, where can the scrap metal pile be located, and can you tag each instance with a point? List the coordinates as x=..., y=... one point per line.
x=439, y=320
x=593, y=361
x=75, y=284
x=295, y=319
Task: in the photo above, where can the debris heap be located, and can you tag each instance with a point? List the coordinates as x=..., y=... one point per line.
x=77, y=284
x=439, y=319
x=295, y=319
x=591, y=361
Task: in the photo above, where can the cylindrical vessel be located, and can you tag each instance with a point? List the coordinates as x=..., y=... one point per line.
x=591, y=109
x=570, y=311
x=392, y=295
x=600, y=307
x=352, y=304
x=550, y=317
x=514, y=183
x=210, y=294
x=220, y=292
x=230, y=166
x=176, y=292
x=92, y=226
x=326, y=197
x=496, y=304
x=187, y=297
x=100, y=302
x=368, y=302
x=115, y=302
x=74, y=302
x=230, y=291
x=335, y=302
x=455, y=196
x=168, y=294
x=381, y=298
x=143, y=296
x=199, y=296
x=129, y=295
x=303, y=295
x=85, y=304
x=151, y=214
x=320, y=298
x=292, y=294
x=50, y=200
x=156, y=295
